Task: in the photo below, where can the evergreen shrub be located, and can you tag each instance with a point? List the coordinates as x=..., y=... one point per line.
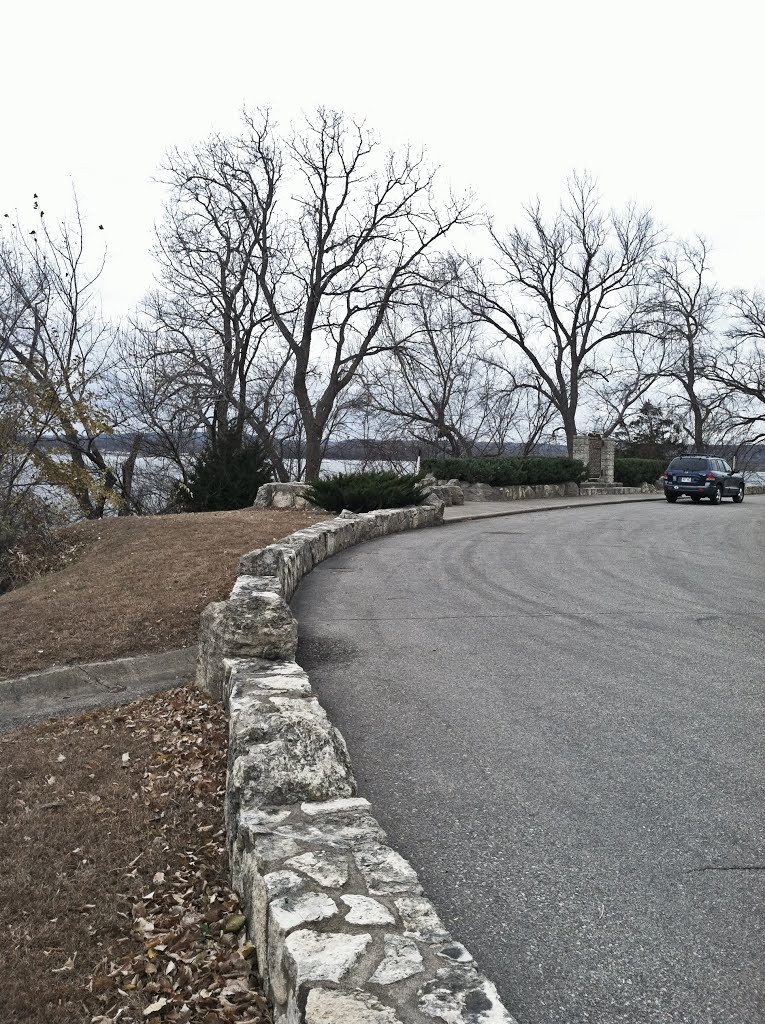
x=224, y=478
x=634, y=472
x=507, y=472
x=364, y=492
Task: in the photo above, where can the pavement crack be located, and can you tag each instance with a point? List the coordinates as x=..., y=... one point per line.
x=91, y=677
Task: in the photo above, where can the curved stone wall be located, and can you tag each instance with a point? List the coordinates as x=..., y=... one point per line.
x=343, y=932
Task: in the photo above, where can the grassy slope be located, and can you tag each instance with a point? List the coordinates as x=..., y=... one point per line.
x=138, y=586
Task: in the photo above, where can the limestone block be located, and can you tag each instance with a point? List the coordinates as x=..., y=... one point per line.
x=324, y=1006
x=434, y=500
x=450, y=492
x=341, y=534
x=326, y=869
x=289, y=561
x=246, y=585
x=327, y=956
x=385, y=871
x=456, y=493
x=265, y=888
x=350, y=831
x=366, y=911
x=267, y=561
x=402, y=960
x=283, y=495
x=459, y=995
x=244, y=677
x=284, y=915
x=291, y=753
x=421, y=920
x=258, y=625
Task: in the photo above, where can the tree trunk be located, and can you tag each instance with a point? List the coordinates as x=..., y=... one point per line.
x=313, y=457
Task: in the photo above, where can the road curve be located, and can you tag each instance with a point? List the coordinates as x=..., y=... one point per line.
x=558, y=719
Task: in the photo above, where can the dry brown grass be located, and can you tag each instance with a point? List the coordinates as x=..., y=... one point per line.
x=113, y=879
x=137, y=586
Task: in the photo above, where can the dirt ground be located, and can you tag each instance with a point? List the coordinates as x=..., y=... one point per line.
x=138, y=586
x=113, y=872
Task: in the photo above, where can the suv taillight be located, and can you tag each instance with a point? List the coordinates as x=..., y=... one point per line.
x=666, y=476
x=710, y=476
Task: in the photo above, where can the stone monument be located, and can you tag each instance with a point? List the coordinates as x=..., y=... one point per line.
x=596, y=452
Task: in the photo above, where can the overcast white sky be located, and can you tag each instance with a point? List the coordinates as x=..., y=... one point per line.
x=662, y=101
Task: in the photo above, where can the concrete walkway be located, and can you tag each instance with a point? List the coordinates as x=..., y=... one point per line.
x=68, y=689
x=492, y=509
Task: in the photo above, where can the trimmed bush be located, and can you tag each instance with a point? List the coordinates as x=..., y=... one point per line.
x=364, y=492
x=223, y=479
x=507, y=472
x=634, y=472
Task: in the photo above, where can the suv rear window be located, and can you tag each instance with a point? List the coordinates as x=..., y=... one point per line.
x=689, y=463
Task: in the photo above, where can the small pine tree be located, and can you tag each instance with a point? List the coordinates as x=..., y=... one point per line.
x=225, y=477
x=651, y=434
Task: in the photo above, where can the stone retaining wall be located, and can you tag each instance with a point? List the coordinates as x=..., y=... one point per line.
x=516, y=492
x=342, y=930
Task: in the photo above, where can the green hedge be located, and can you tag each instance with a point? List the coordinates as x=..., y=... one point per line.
x=364, y=492
x=634, y=472
x=506, y=472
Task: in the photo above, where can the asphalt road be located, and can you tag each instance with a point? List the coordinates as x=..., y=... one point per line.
x=558, y=719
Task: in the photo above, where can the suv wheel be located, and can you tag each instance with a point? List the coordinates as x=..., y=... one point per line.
x=716, y=496
x=739, y=496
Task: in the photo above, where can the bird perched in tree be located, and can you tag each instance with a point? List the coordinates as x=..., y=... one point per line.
x=100, y=227
x=34, y=196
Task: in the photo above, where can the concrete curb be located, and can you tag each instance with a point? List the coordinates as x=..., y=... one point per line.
x=582, y=503
x=66, y=689
x=343, y=932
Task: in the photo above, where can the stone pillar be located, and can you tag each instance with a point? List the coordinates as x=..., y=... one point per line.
x=597, y=453
x=582, y=448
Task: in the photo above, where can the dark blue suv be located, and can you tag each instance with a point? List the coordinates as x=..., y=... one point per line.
x=702, y=476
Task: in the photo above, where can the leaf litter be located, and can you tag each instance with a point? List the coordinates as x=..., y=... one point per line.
x=143, y=923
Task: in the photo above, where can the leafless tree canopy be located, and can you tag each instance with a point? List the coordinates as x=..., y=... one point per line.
x=688, y=308
x=54, y=352
x=738, y=363
x=306, y=292
x=562, y=289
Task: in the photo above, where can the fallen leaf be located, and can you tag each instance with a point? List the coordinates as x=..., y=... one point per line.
x=155, y=1007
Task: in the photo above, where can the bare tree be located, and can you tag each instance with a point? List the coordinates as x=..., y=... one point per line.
x=351, y=237
x=203, y=327
x=562, y=290
x=688, y=307
x=738, y=362
x=432, y=381
x=623, y=377
x=280, y=259
x=54, y=342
